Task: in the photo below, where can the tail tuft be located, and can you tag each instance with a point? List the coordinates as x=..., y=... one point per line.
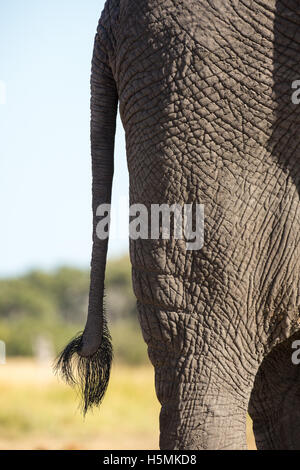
x=90, y=374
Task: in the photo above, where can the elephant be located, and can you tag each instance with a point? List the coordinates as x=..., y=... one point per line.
x=206, y=95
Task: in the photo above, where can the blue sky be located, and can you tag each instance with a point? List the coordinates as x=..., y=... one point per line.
x=45, y=176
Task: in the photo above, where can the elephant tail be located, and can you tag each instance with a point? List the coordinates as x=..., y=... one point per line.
x=86, y=360
x=85, y=363
x=90, y=374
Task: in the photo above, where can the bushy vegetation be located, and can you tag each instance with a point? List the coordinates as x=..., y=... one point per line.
x=52, y=307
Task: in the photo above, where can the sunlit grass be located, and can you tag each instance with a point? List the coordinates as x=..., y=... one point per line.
x=39, y=412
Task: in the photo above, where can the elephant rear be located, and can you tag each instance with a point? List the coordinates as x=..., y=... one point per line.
x=204, y=92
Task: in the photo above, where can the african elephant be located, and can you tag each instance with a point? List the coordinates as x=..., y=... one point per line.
x=205, y=97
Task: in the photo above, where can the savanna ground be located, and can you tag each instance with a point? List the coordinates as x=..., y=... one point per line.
x=39, y=412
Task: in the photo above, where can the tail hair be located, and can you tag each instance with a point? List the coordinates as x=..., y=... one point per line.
x=88, y=374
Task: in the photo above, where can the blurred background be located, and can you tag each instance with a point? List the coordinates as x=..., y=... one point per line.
x=45, y=239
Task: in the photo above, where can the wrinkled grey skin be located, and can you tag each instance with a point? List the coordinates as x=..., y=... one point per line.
x=204, y=90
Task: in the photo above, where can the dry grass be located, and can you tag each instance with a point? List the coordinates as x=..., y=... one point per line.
x=39, y=412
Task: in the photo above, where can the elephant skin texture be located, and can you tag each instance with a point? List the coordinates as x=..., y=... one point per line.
x=204, y=92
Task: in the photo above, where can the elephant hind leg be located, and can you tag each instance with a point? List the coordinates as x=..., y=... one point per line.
x=275, y=400
x=199, y=413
